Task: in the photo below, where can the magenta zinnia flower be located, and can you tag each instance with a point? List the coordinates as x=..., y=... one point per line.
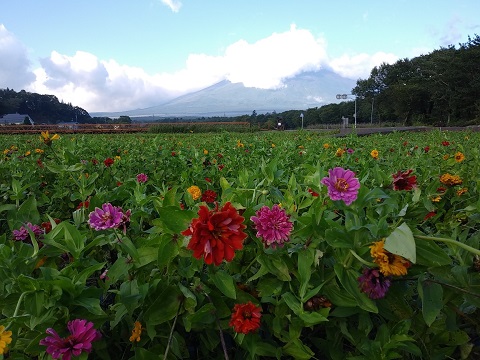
x=374, y=283
x=22, y=233
x=82, y=334
x=108, y=217
x=342, y=185
x=273, y=225
x=142, y=178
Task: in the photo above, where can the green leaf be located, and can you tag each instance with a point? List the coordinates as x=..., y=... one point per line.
x=167, y=250
x=224, y=283
x=314, y=318
x=66, y=236
x=430, y=254
x=293, y=303
x=349, y=280
x=305, y=261
x=432, y=300
x=401, y=242
x=298, y=350
x=146, y=255
x=175, y=219
x=26, y=213
x=91, y=304
x=164, y=306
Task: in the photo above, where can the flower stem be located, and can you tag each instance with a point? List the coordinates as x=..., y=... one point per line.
x=17, y=308
x=359, y=258
x=171, y=330
x=222, y=340
x=450, y=241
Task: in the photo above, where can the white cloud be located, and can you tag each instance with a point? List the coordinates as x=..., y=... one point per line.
x=360, y=65
x=267, y=62
x=105, y=85
x=174, y=5
x=14, y=63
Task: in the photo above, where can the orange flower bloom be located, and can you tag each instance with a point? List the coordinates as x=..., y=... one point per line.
x=459, y=157
x=461, y=191
x=195, y=192
x=389, y=264
x=374, y=154
x=451, y=180
x=136, y=332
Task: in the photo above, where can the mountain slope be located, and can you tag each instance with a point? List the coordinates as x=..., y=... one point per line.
x=306, y=90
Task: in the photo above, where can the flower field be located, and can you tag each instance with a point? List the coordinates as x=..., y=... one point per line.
x=267, y=245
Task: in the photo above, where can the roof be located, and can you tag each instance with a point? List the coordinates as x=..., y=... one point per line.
x=14, y=119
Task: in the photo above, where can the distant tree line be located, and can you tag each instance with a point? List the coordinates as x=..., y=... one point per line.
x=48, y=109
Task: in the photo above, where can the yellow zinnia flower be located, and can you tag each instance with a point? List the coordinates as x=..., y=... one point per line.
x=205, y=152
x=459, y=157
x=5, y=339
x=374, y=154
x=273, y=145
x=389, y=264
x=339, y=152
x=39, y=151
x=136, y=332
x=47, y=139
x=28, y=153
x=195, y=192
x=326, y=146
x=461, y=191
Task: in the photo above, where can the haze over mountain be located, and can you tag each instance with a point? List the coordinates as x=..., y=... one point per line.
x=304, y=91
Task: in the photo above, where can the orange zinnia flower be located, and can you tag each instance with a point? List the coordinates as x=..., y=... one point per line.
x=374, y=154
x=459, y=157
x=389, y=264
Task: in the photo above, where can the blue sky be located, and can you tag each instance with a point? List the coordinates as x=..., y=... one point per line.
x=111, y=55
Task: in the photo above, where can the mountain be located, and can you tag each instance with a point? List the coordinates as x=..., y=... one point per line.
x=304, y=91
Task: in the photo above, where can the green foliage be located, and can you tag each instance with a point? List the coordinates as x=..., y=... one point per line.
x=308, y=292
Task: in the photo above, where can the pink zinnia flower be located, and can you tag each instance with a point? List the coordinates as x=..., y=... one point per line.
x=82, y=334
x=22, y=233
x=108, y=217
x=273, y=225
x=142, y=178
x=342, y=185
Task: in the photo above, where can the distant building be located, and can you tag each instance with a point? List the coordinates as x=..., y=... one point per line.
x=15, y=119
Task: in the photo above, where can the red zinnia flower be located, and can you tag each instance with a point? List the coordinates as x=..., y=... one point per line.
x=403, y=180
x=208, y=180
x=174, y=153
x=216, y=234
x=209, y=196
x=429, y=215
x=245, y=318
x=108, y=162
x=426, y=149
x=314, y=193
x=84, y=204
x=445, y=143
x=220, y=167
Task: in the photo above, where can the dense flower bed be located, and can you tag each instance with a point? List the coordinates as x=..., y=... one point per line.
x=273, y=245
